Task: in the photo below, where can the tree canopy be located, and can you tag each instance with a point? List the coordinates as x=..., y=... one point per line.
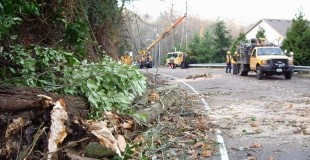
x=68, y=47
x=212, y=46
x=298, y=40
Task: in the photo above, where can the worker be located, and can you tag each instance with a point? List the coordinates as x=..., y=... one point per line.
x=127, y=59
x=228, y=62
x=148, y=57
x=234, y=63
x=291, y=56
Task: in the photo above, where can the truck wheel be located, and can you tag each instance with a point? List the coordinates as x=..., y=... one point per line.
x=259, y=73
x=288, y=75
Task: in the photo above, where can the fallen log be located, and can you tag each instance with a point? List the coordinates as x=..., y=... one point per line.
x=17, y=99
x=167, y=88
x=206, y=75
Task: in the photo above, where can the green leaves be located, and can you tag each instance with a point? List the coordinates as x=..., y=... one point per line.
x=29, y=64
x=76, y=34
x=37, y=66
x=211, y=46
x=90, y=83
x=11, y=11
x=260, y=33
x=297, y=40
x=108, y=85
x=7, y=22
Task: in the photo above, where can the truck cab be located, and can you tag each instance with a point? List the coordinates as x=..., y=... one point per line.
x=176, y=59
x=267, y=61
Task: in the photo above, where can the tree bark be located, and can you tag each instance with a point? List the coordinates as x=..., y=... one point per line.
x=16, y=99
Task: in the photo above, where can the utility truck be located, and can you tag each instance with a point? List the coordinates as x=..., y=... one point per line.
x=265, y=60
x=176, y=59
x=144, y=58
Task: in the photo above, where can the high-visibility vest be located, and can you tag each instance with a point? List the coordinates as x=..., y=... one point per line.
x=228, y=58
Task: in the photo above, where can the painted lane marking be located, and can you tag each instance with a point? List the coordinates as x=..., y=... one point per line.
x=223, y=151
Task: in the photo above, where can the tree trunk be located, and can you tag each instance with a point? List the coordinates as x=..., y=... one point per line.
x=16, y=99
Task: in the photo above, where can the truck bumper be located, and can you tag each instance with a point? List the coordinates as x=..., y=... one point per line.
x=276, y=70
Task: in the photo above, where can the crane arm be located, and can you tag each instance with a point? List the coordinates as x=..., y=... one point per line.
x=167, y=32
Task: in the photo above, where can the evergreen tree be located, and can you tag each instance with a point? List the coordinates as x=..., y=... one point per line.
x=236, y=42
x=298, y=40
x=194, y=48
x=260, y=34
x=207, y=46
x=221, y=40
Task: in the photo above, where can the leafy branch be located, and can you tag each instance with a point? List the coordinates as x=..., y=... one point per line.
x=107, y=84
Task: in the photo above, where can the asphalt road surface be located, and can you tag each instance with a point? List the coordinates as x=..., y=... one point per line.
x=265, y=119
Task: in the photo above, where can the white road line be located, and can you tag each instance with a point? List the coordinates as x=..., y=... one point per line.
x=223, y=151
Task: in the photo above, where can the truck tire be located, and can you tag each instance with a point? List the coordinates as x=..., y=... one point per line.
x=259, y=73
x=288, y=75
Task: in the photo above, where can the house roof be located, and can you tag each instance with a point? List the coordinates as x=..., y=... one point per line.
x=280, y=25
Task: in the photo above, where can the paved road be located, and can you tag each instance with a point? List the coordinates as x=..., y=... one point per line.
x=265, y=119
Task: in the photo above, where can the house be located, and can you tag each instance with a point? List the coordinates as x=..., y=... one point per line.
x=275, y=30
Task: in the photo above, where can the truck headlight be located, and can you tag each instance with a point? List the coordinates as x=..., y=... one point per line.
x=264, y=62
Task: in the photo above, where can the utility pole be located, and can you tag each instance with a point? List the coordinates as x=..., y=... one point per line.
x=186, y=26
x=157, y=53
x=171, y=17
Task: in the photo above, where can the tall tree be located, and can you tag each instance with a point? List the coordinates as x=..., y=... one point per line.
x=222, y=41
x=260, y=34
x=298, y=40
x=241, y=38
x=207, y=45
x=194, y=46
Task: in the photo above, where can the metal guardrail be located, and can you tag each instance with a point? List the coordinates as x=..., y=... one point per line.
x=215, y=65
x=302, y=68
x=208, y=65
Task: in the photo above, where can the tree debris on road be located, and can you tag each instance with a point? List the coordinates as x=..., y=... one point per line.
x=206, y=75
x=176, y=126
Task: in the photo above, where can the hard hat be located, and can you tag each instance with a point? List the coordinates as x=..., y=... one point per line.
x=228, y=52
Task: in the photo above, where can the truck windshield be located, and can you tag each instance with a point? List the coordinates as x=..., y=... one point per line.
x=269, y=51
x=172, y=55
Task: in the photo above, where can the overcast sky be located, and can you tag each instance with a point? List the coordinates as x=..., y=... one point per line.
x=240, y=11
